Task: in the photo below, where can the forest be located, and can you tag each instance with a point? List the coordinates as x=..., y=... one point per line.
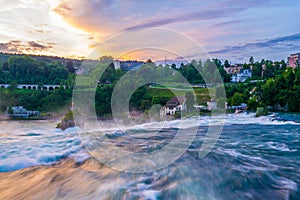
x=273, y=84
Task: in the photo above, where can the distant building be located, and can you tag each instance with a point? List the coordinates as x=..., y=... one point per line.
x=200, y=107
x=294, y=60
x=238, y=108
x=174, y=105
x=242, y=76
x=21, y=112
x=211, y=105
x=127, y=65
x=117, y=64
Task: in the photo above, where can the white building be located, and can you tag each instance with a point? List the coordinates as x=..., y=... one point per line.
x=242, y=76
x=21, y=112
x=117, y=64
x=174, y=105
x=211, y=105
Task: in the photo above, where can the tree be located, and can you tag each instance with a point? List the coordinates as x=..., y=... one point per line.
x=145, y=105
x=70, y=67
x=256, y=71
x=251, y=60
x=237, y=99
x=252, y=104
x=5, y=66
x=226, y=64
x=221, y=103
x=105, y=59
x=190, y=100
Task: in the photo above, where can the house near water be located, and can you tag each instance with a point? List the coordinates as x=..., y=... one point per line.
x=174, y=105
x=20, y=112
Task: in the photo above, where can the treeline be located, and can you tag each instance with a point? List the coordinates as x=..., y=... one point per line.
x=279, y=93
x=35, y=99
x=283, y=90
x=26, y=70
x=192, y=73
x=279, y=84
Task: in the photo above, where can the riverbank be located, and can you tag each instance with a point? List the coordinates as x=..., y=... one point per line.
x=55, y=115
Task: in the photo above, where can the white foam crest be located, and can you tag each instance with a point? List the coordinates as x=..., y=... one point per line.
x=150, y=194
x=250, y=118
x=287, y=184
x=20, y=150
x=218, y=120
x=253, y=162
x=278, y=146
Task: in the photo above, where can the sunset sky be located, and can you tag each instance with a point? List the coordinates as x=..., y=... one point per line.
x=229, y=29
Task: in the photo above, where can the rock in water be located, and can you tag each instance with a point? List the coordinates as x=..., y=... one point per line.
x=260, y=111
x=68, y=120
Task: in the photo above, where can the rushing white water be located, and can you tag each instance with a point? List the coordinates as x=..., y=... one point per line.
x=255, y=158
x=30, y=143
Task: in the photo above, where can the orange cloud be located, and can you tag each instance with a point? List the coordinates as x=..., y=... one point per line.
x=81, y=14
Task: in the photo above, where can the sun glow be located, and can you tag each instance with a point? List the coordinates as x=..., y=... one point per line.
x=57, y=20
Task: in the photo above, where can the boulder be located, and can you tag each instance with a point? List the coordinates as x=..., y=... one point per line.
x=261, y=111
x=67, y=121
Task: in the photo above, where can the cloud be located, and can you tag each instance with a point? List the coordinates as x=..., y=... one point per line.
x=279, y=42
x=226, y=23
x=89, y=15
x=17, y=46
x=110, y=16
x=218, y=10
x=203, y=15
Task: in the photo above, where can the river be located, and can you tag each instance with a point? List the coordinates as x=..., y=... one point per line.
x=254, y=158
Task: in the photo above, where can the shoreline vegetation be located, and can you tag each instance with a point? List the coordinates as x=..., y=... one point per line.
x=274, y=86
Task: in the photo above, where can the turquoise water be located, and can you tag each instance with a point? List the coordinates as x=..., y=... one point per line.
x=254, y=158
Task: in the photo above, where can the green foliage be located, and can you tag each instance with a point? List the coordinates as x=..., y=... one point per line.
x=252, y=104
x=10, y=110
x=70, y=67
x=281, y=84
x=226, y=64
x=251, y=60
x=26, y=70
x=261, y=111
x=283, y=90
x=221, y=102
x=145, y=105
x=190, y=101
x=35, y=99
x=177, y=115
x=236, y=99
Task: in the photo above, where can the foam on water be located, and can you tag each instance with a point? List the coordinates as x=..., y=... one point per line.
x=185, y=123
x=20, y=149
x=25, y=144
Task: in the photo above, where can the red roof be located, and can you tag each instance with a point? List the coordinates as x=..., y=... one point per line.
x=175, y=101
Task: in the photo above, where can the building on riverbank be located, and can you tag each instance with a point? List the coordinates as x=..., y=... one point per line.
x=21, y=113
x=174, y=105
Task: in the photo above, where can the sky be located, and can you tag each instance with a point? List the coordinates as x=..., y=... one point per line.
x=226, y=29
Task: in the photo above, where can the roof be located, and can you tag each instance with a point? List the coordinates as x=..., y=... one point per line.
x=248, y=69
x=128, y=65
x=295, y=54
x=175, y=101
